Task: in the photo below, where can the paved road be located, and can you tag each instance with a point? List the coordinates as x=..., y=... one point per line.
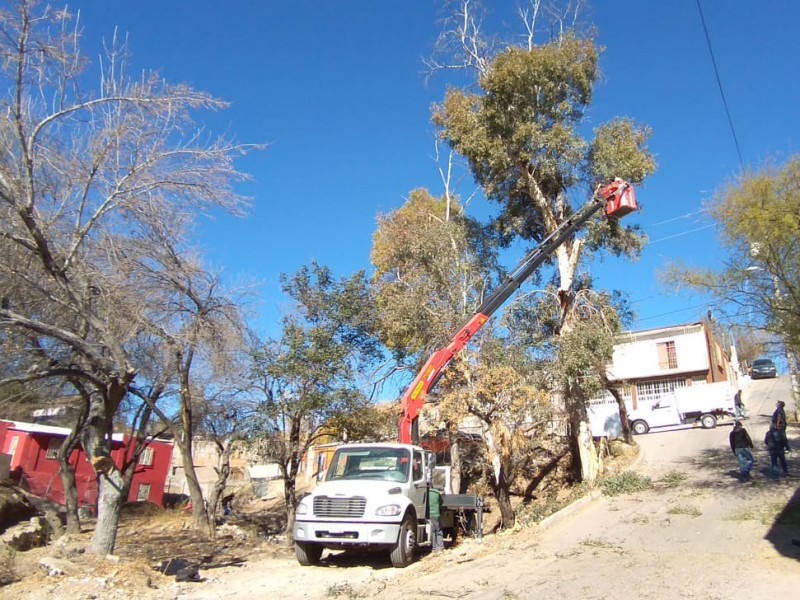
x=709, y=536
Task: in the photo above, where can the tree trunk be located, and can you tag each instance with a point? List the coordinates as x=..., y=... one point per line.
x=127, y=479
x=67, y=474
x=97, y=445
x=109, y=502
x=627, y=434
x=66, y=471
x=503, y=496
x=199, y=513
x=791, y=358
x=501, y=484
x=223, y=471
x=289, y=491
x=455, y=464
x=590, y=457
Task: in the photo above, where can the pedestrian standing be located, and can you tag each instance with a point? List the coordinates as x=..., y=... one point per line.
x=741, y=446
x=779, y=421
x=776, y=445
x=435, y=516
x=738, y=405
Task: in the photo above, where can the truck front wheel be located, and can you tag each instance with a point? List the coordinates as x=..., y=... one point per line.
x=403, y=550
x=307, y=554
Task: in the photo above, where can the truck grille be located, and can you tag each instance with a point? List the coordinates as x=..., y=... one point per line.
x=352, y=507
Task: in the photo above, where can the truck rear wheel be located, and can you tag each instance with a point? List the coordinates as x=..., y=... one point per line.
x=640, y=427
x=708, y=421
x=307, y=554
x=403, y=551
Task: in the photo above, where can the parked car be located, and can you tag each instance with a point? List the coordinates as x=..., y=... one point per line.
x=763, y=368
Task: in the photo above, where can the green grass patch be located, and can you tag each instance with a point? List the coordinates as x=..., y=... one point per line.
x=692, y=511
x=673, y=479
x=743, y=514
x=541, y=508
x=626, y=483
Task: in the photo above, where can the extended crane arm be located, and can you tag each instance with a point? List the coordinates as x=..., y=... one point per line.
x=618, y=199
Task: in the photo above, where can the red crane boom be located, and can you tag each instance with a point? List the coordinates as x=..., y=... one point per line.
x=618, y=198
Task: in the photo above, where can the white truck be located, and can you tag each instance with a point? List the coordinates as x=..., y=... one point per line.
x=702, y=404
x=375, y=496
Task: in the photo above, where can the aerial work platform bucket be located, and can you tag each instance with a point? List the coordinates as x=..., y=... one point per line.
x=620, y=199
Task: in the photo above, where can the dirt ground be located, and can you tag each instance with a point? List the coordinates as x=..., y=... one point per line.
x=696, y=532
x=248, y=558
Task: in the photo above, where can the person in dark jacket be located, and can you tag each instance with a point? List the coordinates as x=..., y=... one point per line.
x=779, y=421
x=741, y=445
x=775, y=441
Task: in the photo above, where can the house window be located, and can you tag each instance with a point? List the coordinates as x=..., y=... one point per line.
x=143, y=493
x=146, y=457
x=667, y=359
x=53, y=446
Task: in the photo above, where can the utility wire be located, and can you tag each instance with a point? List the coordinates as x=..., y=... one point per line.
x=672, y=312
x=719, y=83
x=687, y=232
x=686, y=216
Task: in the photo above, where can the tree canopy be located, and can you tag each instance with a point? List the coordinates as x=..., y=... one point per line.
x=758, y=216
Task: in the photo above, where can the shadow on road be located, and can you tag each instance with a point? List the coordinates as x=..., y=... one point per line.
x=784, y=533
x=719, y=472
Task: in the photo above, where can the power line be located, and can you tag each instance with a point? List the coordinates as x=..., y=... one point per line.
x=678, y=218
x=672, y=312
x=719, y=83
x=669, y=237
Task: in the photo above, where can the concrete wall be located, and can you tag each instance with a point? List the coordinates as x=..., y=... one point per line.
x=638, y=358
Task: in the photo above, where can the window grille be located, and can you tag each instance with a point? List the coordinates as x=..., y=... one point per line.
x=143, y=493
x=667, y=358
x=53, y=446
x=146, y=457
x=646, y=390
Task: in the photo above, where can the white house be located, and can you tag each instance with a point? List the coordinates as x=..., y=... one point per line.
x=648, y=364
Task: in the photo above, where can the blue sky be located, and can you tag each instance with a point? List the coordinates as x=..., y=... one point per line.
x=337, y=91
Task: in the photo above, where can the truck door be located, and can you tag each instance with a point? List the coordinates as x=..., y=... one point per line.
x=419, y=484
x=665, y=412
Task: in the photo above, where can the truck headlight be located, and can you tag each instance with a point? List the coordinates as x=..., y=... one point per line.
x=302, y=509
x=390, y=510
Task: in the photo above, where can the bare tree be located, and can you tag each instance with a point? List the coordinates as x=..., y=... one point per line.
x=81, y=174
x=196, y=329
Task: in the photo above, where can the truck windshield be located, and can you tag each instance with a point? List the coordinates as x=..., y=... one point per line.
x=387, y=464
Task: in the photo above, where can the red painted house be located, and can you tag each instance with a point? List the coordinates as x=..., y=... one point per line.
x=32, y=448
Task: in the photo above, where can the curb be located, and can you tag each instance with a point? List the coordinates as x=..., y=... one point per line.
x=573, y=507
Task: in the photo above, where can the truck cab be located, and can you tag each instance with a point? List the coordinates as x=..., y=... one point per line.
x=373, y=496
